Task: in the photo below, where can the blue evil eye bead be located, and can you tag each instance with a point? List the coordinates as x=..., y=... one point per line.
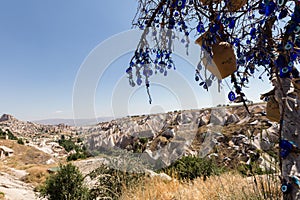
x=270, y=7
x=280, y=61
x=139, y=81
x=181, y=3
x=286, y=148
x=280, y=2
x=253, y=32
x=291, y=64
x=129, y=70
x=231, y=23
x=283, y=14
x=214, y=28
x=199, y=66
x=286, y=188
x=297, y=29
x=226, y=22
x=231, y=96
x=284, y=70
x=200, y=28
x=288, y=46
x=223, y=20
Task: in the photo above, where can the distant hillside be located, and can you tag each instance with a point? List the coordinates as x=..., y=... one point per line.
x=72, y=122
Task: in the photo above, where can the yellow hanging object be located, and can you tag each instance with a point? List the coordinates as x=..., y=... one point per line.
x=234, y=5
x=273, y=113
x=223, y=62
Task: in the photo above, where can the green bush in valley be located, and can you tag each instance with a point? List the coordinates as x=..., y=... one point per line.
x=111, y=182
x=66, y=184
x=20, y=141
x=191, y=167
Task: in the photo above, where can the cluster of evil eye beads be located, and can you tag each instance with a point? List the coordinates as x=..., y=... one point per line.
x=149, y=61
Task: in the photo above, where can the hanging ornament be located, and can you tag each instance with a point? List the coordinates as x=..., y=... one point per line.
x=231, y=96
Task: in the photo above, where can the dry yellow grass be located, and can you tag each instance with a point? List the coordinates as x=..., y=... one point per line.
x=227, y=186
x=24, y=155
x=36, y=175
x=26, y=158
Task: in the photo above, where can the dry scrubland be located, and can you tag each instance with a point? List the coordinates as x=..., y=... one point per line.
x=227, y=186
x=25, y=158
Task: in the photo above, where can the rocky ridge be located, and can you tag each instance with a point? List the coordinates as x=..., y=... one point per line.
x=227, y=133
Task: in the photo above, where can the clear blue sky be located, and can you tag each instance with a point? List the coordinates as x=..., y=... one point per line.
x=43, y=43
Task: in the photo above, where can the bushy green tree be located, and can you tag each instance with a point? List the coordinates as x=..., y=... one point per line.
x=66, y=184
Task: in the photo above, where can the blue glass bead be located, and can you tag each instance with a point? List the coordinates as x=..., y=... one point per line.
x=286, y=188
x=197, y=78
x=285, y=144
x=199, y=66
x=248, y=41
x=231, y=96
x=297, y=29
x=129, y=70
x=253, y=32
x=161, y=70
x=270, y=8
x=280, y=61
x=283, y=14
x=288, y=46
x=280, y=2
x=139, y=81
x=291, y=64
x=231, y=23
x=200, y=28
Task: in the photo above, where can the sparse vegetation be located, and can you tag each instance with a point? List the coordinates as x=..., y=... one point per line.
x=228, y=186
x=69, y=145
x=191, y=167
x=66, y=184
x=112, y=182
x=20, y=141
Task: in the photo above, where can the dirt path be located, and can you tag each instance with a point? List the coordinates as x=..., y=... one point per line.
x=14, y=189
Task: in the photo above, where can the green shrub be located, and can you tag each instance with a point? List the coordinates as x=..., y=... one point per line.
x=11, y=135
x=66, y=184
x=111, y=182
x=69, y=145
x=20, y=141
x=191, y=167
x=76, y=156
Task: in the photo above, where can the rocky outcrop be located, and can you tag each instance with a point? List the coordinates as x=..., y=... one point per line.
x=228, y=133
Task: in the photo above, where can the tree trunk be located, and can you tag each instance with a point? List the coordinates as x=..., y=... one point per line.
x=290, y=165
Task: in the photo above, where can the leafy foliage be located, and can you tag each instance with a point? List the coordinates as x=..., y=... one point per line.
x=66, y=184
x=69, y=145
x=112, y=182
x=20, y=141
x=191, y=167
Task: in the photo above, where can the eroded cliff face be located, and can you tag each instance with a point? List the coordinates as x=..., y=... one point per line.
x=227, y=133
